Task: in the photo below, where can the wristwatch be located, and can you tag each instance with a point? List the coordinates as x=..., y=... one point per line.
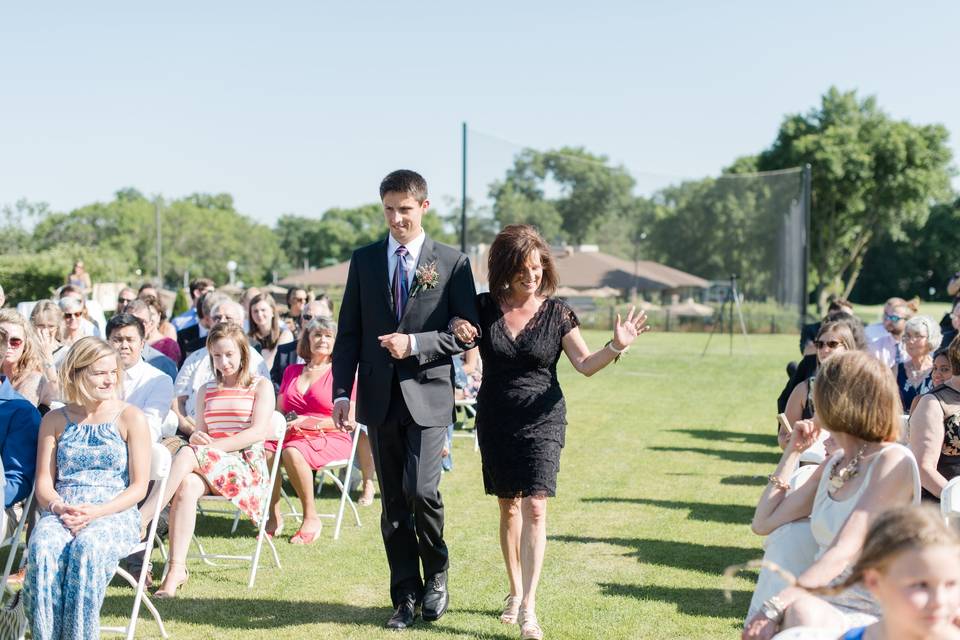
x=773, y=609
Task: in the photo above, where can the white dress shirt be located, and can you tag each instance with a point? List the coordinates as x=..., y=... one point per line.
x=197, y=371
x=151, y=391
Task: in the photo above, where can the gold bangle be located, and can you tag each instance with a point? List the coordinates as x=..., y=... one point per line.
x=779, y=483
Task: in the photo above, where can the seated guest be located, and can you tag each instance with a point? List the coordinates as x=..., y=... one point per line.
x=141, y=310
x=951, y=331
x=265, y=326
x=287, y=353
x=909, y=565
x=93, y=466
x=144, y=386
x=834, y=337
x=47, y=319
x=153, y=310
x=808, y=332
x=297, y=298
x=19, y=424
x=194, y=337
x=920, y=338
x=75, y=325
x=24, y=366
x=226, y=455
x=887, y=346
x=197, y=370
x=857, y=402
x=312, y=441
x=165, y=328
x=941, y=372
x=188, y=318
x=935, y=431
x=124, y=297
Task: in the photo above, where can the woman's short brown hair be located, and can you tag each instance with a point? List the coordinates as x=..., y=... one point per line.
x=855, y=393
x=319, y=323
x=508, y=255
x=73, y=384
x=231, y=331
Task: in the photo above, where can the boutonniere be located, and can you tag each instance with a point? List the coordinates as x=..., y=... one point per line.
x=427, y=277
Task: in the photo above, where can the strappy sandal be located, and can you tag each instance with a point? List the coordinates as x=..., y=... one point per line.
x=529, y=626
x=511, y=609
x=161, y=594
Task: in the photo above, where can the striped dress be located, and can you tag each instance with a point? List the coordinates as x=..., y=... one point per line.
x=241, y=476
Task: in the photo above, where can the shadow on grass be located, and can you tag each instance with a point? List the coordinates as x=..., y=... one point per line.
x=744, y=481
x=707, y=558
x=765, y=457
x=730, y=436
x=253, y=613
x=689, y=601
x=726, y=513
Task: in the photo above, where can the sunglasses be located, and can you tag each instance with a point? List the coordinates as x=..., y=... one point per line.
x=15, y=342
x=299, y=299
x=125, y=300
x=306, y=317
x=891, y=318
x=75, y=314
x=832, y=344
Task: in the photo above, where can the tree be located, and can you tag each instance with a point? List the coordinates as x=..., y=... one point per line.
x=590, y=191
x=871, y=174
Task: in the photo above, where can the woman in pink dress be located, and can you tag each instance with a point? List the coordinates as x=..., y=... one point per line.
x=312, y=441
x=226, y=455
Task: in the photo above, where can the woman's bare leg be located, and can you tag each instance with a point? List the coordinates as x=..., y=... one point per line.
x=533, y=544
x=511, y=524
x=301, y=477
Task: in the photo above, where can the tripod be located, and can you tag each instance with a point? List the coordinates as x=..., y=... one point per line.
x=733, y=300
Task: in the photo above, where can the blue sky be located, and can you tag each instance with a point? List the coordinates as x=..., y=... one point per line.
x=300, y=106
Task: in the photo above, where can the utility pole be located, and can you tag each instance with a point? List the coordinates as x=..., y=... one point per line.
x=156, y=211
x=463, y=194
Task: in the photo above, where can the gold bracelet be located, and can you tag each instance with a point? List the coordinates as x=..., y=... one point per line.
x=776, y=481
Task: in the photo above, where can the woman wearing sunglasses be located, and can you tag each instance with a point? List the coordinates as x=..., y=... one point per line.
x=24, y=364
x=834, y=337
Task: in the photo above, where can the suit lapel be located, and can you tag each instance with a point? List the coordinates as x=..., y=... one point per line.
x=428, y=254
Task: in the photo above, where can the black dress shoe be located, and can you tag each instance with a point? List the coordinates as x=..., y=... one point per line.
x=435, y=597
x=405, y=614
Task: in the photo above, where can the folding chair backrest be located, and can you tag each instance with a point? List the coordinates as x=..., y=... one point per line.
x=950, y=500
x=279, y=424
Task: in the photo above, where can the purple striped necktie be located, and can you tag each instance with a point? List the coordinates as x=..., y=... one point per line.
x=401, y=288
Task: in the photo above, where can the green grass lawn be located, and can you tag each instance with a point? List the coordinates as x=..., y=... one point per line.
x=666, y=455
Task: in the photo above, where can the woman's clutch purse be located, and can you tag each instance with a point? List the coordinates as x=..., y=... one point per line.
x=309, y=424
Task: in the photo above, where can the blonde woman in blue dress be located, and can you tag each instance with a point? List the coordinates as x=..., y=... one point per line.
x=93, y=466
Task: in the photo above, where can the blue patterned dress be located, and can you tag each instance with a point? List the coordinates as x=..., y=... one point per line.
x=67, y=576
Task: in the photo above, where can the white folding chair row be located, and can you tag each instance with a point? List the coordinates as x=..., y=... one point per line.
x=950, y=500
x=279, y=429
x=159, y=472
x=14, y=541
x=329, y=472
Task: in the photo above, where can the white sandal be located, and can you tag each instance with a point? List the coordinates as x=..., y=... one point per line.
x=529, y=625
x=511, y=609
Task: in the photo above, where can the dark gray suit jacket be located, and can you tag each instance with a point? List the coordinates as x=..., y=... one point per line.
x=367, y=312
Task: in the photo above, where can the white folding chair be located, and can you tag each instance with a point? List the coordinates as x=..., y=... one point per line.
x=469, y=408
x=329, y=472
x=279, y=430
x=950, y=500
x=159, y=472
x=14, y=540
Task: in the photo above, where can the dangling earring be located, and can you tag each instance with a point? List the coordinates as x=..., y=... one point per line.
x=506, y=285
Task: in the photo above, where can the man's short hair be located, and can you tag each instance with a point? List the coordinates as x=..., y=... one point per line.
x=405, y=181
x=122, y=320
x=209, y=301
x=200, y=284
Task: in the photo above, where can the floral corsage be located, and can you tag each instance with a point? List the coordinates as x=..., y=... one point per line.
x=427, y=277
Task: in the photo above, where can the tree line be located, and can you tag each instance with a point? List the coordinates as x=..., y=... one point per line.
x=884, y=216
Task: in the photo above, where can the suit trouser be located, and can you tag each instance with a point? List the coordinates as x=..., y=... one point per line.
x=407, y=458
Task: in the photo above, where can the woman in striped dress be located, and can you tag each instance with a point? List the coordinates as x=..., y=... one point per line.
x=225, y=456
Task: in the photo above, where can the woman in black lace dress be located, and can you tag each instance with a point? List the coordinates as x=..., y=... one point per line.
x=521, y=416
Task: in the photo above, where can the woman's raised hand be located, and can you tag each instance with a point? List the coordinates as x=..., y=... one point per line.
x=625, y=332
x=805, y=434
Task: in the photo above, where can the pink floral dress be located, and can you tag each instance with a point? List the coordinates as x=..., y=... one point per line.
x=241, y=476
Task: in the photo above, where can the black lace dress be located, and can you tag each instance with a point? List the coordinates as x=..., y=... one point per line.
x=521, y=415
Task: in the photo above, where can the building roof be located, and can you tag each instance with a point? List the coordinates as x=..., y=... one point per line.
x=326, y=277
x=592, y=269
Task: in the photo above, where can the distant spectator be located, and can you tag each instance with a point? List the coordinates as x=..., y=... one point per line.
x=888, y=345
x=249, y=294
x=950, y=332
x=809, y=331
x=197, y=370
x=24, y=364
x=194, y=337
x=47, y=321
x=19, y=424
x=935, y=431
x=920, y=338
x=144, y=386
x=150, y=311
x=265, y=326
x=3, y=297
x=188, y=318
x=287, y=353
x=125, y=297
x=164, y=326
x=296, y=299
x=148, y=289
x=79, y=279
x=88, y=326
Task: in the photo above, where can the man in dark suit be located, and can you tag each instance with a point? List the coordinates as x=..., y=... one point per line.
x=393, y=335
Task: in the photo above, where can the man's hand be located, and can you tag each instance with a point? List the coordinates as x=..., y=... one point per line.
x=341, y=416
x=398, y=344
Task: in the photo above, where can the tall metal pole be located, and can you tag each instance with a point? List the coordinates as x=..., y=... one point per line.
x=463, y=193
x=807, y=214
x=156, y=211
